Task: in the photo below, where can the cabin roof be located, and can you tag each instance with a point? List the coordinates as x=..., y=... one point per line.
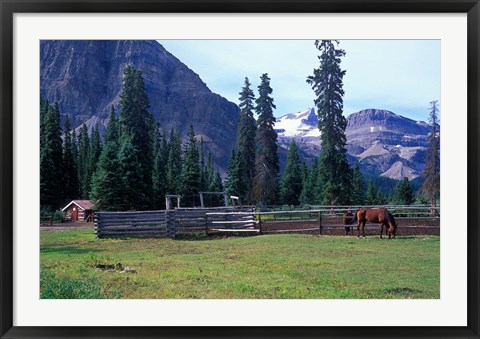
x=83, y=204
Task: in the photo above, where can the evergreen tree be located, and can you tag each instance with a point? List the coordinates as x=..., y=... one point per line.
x=51, y=157
x=108, y=186
x=84, y=161
x=327, y=83
x=95, y=148
x=403, y=194
x=113, y=128
x=209, y=178
x=431, y=173
x=203, y=168
x=174, y=163
x=134, y=199
x=44, y=106
x=75, y=156
x=69, y=162
x=358, y=186
x=233, y=183
x=311, y=186
x=304, y=170
x=190, y=177
x=246, y=139
x=382, y=199
x=265, y=187
x=159, y=175
x=216, y=186
x=292, y=182
x=210, y=172
x=137, y=131
x=371, y=198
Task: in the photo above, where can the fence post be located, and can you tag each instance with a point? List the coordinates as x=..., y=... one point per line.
x=170, y=219
x=260, y=223
x=320, y=222
x=206, y=224
x=97, y=225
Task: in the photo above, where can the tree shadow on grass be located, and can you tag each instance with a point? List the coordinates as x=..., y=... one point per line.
x=68, y=250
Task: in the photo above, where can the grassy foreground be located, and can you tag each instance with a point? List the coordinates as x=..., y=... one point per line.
x=270, y=266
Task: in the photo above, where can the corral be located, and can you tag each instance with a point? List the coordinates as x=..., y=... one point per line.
x=246, y=220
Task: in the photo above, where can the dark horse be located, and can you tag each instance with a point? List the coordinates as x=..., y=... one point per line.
x=375, y=215
x=347, y=220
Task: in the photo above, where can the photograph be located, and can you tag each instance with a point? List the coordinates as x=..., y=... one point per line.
x=240, y=169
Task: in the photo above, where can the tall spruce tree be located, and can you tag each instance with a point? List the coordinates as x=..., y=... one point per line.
x=382, y=198
x=233, y=183
x=327, y=83
x=292, y=182
x=431, y=173
x=246, y=139
x=403, y=194
x=137, y=132
x=311, y=186
x=203, y=167
x=69, y=162
x=51, y=157
x=216, y=186
x=135, y=198
x=358, y=186
x=95, y=149
x=159, y=175
x=190, y=177
x=174, y=163
x=265, y=188
x=108, y=186
x=371, y=198
x=209, y=178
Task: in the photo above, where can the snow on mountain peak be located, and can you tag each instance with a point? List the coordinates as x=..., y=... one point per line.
x=303, y=124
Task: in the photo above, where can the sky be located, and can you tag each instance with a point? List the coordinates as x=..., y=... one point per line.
x=402, y=76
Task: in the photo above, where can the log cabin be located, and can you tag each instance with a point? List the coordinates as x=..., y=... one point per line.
x=79, y=210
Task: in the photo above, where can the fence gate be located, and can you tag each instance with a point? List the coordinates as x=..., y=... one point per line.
x=235, y=221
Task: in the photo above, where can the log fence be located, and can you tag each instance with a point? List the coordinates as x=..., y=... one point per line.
x=171, y=223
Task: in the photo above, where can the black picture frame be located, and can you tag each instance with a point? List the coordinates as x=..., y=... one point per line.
x=10, y=7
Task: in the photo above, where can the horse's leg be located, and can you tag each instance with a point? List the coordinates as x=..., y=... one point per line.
x=363, y=228
x=358, y=228
x=381, y=231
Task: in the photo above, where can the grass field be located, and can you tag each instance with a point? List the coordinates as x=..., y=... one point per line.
x=270, y=266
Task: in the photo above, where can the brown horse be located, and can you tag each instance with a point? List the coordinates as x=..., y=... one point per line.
x=375, y=215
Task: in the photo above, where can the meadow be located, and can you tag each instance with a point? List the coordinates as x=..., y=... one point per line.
x=254, y=267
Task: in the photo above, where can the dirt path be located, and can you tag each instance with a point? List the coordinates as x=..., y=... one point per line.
x=68, y=226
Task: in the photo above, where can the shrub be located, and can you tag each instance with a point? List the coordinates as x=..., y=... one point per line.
x=57, y=217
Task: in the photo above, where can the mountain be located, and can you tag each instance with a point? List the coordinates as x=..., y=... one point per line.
x=85, y=78
x=382, y=142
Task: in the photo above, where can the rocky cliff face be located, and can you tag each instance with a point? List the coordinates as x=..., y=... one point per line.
x=85, y=78
x=382, y=142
